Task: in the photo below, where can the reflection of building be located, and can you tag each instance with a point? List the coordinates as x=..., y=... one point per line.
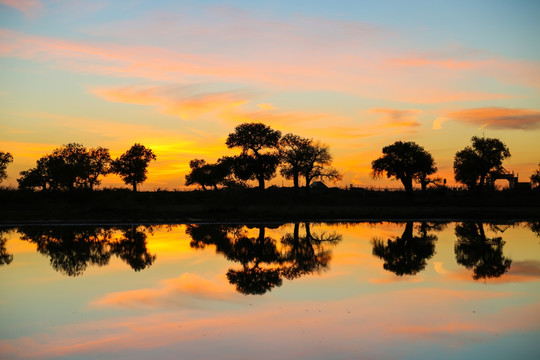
x=513, y=182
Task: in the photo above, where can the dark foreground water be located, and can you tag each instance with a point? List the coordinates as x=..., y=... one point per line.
x=269, y=291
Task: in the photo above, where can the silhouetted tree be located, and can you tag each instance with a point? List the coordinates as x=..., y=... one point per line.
x=5, y=159
x=99, y=164
x=473, y=164
x=259, y=158
x=292, y=150
x=405, y=161
x=132, y=248
x=68, y=167
x=535, y=177
x=481, y=254
x=408, y=254
x=37, y=177
x=132, y=166
x=317, y=164
x=200, y=174
x=214, y=175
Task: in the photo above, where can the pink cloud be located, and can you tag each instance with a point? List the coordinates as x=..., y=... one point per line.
x=498, y=118
x=176, y=101
x=28, y=7
x=186, y=291
x=285, y=328
x=284, y=61
x=394, y=118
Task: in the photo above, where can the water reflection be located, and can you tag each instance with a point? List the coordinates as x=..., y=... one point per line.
x=408, y=254
x=265, y=253
x=481, y=254
x=72, y=248
x=535, y=227
x=264, y=260
x=5, y=257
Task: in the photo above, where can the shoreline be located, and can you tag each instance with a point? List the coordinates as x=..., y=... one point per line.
x=271, y=206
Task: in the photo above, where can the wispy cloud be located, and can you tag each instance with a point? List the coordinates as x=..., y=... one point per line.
x=294, y=56
x=498, y=118
x=177, y=101
x=398, y=119
x=186, y=291
x=28, y=7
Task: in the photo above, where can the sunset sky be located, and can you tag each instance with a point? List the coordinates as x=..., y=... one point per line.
x=178, y=76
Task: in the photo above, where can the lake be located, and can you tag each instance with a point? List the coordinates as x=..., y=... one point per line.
x=415, y=290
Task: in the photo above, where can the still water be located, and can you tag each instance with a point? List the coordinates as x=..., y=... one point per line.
x=271, y=291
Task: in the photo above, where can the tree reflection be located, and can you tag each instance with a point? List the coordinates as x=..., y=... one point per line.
x=131, y=248
x=264, y=260
x=408, y=254
x=72, y=248
x=535, y=227
x=5, y=257
x=481, y=254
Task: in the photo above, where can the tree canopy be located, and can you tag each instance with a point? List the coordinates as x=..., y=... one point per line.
x=404, y=161
x=478, y=253
x=473, y=164
x=535, y=177
x=212, y=175
x=132, y=166
x=304, y=157
x=5, y=159
x=259, y=158
x=408, y=254
x=68, y=167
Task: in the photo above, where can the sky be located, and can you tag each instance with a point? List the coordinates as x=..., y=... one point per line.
x=179, y=76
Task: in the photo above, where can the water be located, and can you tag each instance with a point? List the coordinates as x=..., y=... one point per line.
x=293, y=291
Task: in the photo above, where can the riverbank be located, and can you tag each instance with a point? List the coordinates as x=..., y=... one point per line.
x=271, y=205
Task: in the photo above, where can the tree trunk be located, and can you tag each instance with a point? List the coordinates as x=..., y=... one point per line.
x=134, y=184
x=261, y=182
x=408, y=232
x=424, y=183
x=308, y=232
x=295, y=180
x=296, y=232
x=407, y=183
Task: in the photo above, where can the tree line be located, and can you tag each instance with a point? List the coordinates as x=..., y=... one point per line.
x=73, y=166
x=262, y=151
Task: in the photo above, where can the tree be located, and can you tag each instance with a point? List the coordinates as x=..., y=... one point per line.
x=35, y=177
x=253, y=163
x=317, y=164
x=405, y=161
x=205, y=174
x=132, y=166
x=304, y=157
x=99, y=164
x=5, y=159
x=292, y=150
x=473, y=164
x=67, y=167
x=535, y=178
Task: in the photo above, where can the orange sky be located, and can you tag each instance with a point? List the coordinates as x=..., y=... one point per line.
x=179, y=79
